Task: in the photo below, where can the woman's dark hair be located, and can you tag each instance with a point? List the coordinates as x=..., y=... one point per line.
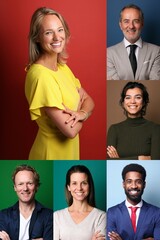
x=80, y=169
x=145, y=95
x=133, y=167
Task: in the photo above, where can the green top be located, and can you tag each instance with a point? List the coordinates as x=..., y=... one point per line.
x=134, y=137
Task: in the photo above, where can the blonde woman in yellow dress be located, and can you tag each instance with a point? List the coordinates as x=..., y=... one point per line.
x=57, y=101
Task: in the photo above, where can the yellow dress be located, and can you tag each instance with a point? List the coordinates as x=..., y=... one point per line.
x=47, y=88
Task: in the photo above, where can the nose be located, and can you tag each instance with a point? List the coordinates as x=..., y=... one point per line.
x=132, y=100
x=55, y=36
x=25, y=187
x=131, y=24
x=134, y=184
x=79, y=186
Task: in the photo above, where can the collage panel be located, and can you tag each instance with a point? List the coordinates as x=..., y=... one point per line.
x=87, y=50
x=26, y=206
x=133, y=42
x=134, y=186
x=40, y=80
x=79, y=200
x=133, y=127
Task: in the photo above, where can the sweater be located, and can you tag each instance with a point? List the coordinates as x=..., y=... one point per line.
x=66, y=229
x=135, y=137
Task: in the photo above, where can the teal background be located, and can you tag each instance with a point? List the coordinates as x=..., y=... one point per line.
x=45, y=191
x=98, y=171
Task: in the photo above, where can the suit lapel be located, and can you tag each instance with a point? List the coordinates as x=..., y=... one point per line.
x=141, y=218
x=126, y=60
x=127, y=221
x=141, y=59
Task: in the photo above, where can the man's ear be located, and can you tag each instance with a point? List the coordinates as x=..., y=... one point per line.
x=123, y=184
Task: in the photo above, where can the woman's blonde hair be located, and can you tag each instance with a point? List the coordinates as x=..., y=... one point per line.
x=35, y=26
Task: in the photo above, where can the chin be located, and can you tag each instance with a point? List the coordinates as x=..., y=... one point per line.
x=135, y=199
x=133, y=114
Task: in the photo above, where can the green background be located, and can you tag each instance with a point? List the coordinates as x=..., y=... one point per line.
x=98, y=171
x=45, y=191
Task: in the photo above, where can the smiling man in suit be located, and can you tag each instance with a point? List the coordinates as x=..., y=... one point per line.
x=133, y=219
x=133, y=59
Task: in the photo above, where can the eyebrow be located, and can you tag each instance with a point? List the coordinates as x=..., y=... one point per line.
x=50, y=29
x=132, y=19
x=134, y=179
x=81, y=181
x=134, y=95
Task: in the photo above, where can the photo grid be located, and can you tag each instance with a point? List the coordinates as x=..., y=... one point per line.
x=80, y=154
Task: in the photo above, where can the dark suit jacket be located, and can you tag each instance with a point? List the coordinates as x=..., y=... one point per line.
x=119, y=67
x=41, y=225
x=148, y=223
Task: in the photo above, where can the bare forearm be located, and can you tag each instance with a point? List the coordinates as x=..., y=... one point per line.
x=59, y=118
x=88, y=105
x=71, y=131
x=86, y=102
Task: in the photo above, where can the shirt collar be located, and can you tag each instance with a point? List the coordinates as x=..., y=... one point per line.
x=140, y=204
x=138, y=42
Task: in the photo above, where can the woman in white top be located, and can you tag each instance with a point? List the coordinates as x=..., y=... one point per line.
x=81, y=220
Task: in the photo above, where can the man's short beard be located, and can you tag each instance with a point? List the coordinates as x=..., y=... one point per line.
x=135, y=199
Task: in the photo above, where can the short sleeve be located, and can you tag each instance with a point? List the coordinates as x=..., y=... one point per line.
x=42, y=90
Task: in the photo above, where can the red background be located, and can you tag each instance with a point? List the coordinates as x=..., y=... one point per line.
x=87, y=51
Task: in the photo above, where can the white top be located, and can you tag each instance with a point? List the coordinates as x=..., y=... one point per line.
x=66, y=229
x=24, y=228
x=139, y=205
x=138, y=43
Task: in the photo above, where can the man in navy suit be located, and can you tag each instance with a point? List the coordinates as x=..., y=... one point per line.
x=147, y=221
x=27, y=219
x=147, y=55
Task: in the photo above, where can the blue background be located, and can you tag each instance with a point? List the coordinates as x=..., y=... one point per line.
x=150, y=32
x=115, y=191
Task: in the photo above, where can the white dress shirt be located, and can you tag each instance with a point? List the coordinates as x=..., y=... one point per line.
x=139, y=205
x=138, y=43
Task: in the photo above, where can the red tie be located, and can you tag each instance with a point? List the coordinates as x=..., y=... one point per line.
x=133, y=217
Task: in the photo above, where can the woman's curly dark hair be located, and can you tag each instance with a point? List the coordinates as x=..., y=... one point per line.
x=145, y=95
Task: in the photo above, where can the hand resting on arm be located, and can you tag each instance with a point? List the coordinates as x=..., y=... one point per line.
x=70, y=122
